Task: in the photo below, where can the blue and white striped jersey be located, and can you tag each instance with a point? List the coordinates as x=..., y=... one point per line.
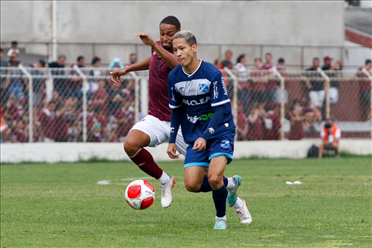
x=198, y=93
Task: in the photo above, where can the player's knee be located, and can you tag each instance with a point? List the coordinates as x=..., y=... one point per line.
x=130, y=148
x=215, y=181
x=192, y=187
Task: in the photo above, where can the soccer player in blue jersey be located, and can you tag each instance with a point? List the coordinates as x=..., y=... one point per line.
x=200, y=104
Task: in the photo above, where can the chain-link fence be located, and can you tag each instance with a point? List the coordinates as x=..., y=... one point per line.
x=83, y=105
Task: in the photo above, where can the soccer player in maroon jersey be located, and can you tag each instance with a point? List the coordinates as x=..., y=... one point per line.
x=154, y=129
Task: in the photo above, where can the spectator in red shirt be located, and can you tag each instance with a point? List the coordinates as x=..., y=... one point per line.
x=273, y=83
x=19, y=134
x=365, y=88
x=10, y=108
x=100, y=96
x=296, y=118
x=272, y=123
x=62, y=119
x=46, y=122
x=256, y=124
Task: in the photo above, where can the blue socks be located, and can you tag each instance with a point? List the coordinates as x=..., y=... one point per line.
x=219, y=198
x=206, y=187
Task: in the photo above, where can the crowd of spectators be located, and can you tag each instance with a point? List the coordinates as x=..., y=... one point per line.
x=259, y=96
x=110, y=106
x=59, y=117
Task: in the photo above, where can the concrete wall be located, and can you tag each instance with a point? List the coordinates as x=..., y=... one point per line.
x=225, y=22
x=72, y=152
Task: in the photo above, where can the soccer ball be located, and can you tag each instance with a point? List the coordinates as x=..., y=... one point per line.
x=140, y=194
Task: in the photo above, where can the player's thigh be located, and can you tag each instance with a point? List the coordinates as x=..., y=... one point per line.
x=135, y=140
x=155, y=129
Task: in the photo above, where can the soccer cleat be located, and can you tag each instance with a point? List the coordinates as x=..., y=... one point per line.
x=243, y=214
x=232, y=196
x=220, y=224
x=166, y=193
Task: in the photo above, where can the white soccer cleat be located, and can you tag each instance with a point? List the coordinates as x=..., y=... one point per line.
x=243, y=214
x=166, y=193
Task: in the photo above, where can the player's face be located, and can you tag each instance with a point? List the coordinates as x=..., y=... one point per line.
x=185, y=53
x=167, y=31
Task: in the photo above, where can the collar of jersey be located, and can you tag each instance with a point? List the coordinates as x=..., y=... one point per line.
x=189, y=75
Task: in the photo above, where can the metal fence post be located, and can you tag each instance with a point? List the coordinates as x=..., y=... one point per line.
x=235, y=96
x=136, y=96
x=327, y=86
x=30, y=104
x=282, y=103
x=84, y=90
x=370, y=78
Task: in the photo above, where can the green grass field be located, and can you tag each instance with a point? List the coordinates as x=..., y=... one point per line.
x=61, y=205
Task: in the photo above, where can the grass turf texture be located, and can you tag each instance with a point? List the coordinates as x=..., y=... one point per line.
x=61, y=205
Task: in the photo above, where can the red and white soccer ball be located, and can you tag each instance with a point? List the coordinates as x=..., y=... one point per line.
x=140, y=194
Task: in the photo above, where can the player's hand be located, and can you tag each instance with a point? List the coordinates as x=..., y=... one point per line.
x=115, y=75
x=172, y=151
x=200, y=144
x=146, y=39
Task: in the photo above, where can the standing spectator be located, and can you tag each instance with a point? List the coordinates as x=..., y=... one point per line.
x=256, y=124
x=296, y=119
x=124, y=118
x=75, y=84
x=13, y=48
x=132, y=59
x=227, y=61
x=4, y=81
x=272, y=123
x=330, y=135
x=330, y=70
x=95, y=72
x=46, y=122
x=315, y=85
x=273, y=83
x=258, y=86
x=38, y=82
x=281, y=65
x=243, y=83
x=365, y=88
x=59, y=84
x=17, y=85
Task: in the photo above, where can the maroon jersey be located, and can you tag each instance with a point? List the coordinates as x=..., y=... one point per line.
x=365, y=85
x=273, y=133
x=158, y=87
x=256, y=129
x=61, y=132
x=48, y=123
x=257, y=86
x=19, y=135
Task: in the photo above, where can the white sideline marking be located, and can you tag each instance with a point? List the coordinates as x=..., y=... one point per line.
x=108, y=181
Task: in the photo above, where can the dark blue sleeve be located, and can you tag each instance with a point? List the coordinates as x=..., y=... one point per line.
x=217, y=118
x=176, y=117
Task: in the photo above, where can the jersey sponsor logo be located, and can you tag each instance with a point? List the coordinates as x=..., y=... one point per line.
x=211, y=130
x=193, y=119
x=197, y=101
x=225, y=144
x=203, y=88
x=224, y=87
x=215, y=90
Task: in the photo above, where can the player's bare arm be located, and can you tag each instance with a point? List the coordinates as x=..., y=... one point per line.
x=166, y=38
x=143, y=65
x=172, y=151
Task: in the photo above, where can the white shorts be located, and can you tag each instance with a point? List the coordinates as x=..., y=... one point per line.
x=159, y=132
x=317, y=98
